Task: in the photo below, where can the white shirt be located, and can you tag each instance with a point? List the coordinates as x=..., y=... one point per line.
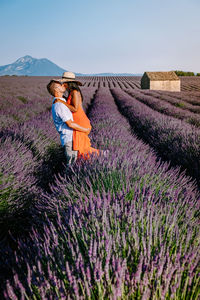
x=61, y=114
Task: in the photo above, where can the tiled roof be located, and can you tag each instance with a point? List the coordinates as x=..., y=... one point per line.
x=159, y=76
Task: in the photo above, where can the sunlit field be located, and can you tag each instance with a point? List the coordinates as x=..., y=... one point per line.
x=122, y=226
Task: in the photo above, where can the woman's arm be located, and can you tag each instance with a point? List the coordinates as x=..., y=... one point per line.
x=75, y=101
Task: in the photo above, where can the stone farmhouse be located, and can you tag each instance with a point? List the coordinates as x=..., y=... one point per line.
x=165, y=81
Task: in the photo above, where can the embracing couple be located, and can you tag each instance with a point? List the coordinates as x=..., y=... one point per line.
x=69, y=117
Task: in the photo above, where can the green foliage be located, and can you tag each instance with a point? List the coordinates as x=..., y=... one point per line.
x=193, y=121
x=183, y=73
x=23, y=99
x=180, y=104
x=4, y=204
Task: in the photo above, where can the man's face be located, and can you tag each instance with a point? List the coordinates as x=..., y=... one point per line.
x=60, y=87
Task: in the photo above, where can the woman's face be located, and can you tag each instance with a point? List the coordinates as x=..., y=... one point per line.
x=66, y=85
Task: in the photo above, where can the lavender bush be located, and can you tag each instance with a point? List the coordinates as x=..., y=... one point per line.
x=178, y=99
x=30, y=152
x=125, y=226
x=133, y=247
x=173, y=139
x=180, y=110
x=190, y=83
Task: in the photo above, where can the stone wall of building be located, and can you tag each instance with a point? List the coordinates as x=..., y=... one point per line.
x=166, y=85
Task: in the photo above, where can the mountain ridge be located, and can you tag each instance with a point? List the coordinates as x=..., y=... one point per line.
x=29, y=66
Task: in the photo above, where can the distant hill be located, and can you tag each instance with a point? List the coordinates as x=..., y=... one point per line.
x=29, y=66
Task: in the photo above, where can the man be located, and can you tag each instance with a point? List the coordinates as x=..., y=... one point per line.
x=63, y=119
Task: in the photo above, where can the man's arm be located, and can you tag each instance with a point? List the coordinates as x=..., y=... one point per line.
x=77, y=127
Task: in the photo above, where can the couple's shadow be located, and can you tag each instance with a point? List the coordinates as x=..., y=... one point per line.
x=53, y=163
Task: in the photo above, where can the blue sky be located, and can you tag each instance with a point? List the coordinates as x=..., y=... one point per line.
x=90, y=36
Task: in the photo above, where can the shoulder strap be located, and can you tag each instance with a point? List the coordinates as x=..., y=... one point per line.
x=69, y=96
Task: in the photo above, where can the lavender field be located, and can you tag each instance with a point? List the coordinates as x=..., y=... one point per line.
x=125, y=226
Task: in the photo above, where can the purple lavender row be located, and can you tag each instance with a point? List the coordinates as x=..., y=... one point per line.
x=21, y=93
x=18, y=113
x=29, y=161
x=39, y=118
x=88, y=94
x=22, y=98
x=16, y=168
x=22, y=88
x=14, y=111
x=22, y=166
x=110, y=82
x=28, y=152
x=174, y=140
x=39, y=133
x=192, y=98
x=178, y=101
x=128, y=229
x=190, y=83
x=164, y=105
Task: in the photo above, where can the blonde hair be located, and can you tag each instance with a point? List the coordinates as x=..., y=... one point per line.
x=51, y=87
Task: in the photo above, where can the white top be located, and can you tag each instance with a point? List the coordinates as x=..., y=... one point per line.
x=61, y=114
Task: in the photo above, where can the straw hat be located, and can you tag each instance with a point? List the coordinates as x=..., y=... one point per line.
x=69, y=77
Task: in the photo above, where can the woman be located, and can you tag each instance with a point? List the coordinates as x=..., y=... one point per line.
x=81, y=141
